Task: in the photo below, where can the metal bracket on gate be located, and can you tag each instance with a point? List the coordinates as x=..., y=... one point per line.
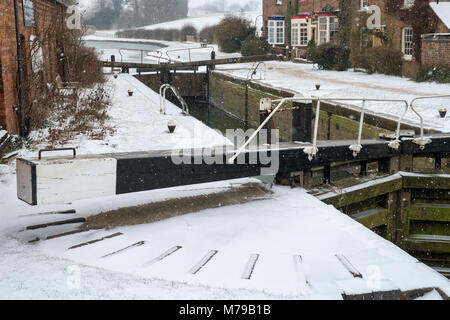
x=59, y=149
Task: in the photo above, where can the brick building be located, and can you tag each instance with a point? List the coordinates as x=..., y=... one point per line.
x=318, y=21
x=436, y=47
x=36, y=17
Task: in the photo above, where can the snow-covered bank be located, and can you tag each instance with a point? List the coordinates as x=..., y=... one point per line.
x=205, y=21
x=302, y=78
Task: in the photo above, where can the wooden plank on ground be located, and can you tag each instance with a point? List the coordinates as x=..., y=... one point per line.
x=95, y=241
x=56, y=223
x=203, y=262
x=70, y=211
x=347, y=265
x=69, y=233
x=248, y=271
x=163, y=256
x=134, y=245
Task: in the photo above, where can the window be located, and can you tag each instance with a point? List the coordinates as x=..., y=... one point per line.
x=303, y=34
x=328, y=29
x=299, y=33
x=279, y=3
x=295, y=34
x=364, y=4
x=276, y=32
x=323, y=30
x=334, y=28
x=407, y=42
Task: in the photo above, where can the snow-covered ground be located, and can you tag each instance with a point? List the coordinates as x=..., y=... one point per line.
x=296, y=236
x=302, y=78
x=205, y=21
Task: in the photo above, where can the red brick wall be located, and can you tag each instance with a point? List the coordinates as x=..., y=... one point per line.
x=436, y=53
x=317, y=5
x=47, y=12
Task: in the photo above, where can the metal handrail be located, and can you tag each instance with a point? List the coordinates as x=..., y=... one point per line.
x=159, y=57
x=162, y=98
x=254, y=68
x=189, y=51
x=422, y=141
x=312, y=151
x=140, y=50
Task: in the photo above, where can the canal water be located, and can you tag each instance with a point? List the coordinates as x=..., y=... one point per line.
x=214, y=117
x=116, y=45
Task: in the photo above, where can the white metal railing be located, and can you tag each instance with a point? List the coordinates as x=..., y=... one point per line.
x=422, y=141
x=254, y=68
x=138, y=50
x=159, y=57
x=162, y=99
x=312, y=151
x=188, y=50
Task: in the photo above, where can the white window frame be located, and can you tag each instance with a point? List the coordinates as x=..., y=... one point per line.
x=295, y=33
x=300, y=28
x=327, y=30
x=365, y=4
x=321, y=30
x=279, y=3
x=407, y=49
x=274, y=29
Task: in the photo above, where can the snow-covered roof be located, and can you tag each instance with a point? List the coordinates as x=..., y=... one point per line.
x=442, y=10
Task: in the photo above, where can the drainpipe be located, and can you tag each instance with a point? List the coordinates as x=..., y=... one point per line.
x=19, y=65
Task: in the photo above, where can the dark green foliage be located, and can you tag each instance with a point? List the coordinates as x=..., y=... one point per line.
x=432, y=74
x=231, y=33
x=104, y=18
x=188, y=30
x=330, y=56
x=382, y=59
x=254, y=46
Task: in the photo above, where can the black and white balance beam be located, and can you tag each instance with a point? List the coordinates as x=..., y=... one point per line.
x=60, y=180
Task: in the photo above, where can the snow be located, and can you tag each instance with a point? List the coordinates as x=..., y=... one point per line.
x=288, y=224
x=301, y=78
x=432, y=295
x=197, y=53
x=442, y=10
x=140, y=126
x=205, y=21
